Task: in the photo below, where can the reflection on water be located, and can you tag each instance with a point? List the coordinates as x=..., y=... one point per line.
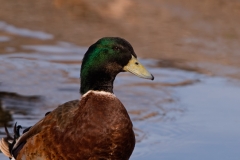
x=181, y=114
x=24, y=32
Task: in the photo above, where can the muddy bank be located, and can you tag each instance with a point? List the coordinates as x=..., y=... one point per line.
x=201, y=34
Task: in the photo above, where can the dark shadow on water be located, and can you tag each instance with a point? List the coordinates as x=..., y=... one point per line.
x=19, y=97
x=14, y=103
x=5, y=116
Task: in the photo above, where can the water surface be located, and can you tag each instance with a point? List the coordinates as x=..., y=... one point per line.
x=183, y=114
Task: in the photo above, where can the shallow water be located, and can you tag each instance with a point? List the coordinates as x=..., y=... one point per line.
x=180, y=115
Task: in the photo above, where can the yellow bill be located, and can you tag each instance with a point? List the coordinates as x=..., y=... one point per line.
x=136, y=68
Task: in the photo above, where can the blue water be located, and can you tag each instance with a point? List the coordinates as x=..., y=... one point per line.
x=209, y=129
x=172, y=119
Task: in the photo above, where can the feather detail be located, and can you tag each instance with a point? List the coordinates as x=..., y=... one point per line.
x=4, y=147
x=5, y=143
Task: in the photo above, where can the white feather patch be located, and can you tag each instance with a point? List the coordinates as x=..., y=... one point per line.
x=108, y=94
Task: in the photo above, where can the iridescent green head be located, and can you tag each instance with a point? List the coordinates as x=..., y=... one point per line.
x=104, y=60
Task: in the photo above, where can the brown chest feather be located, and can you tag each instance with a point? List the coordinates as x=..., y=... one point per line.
x=96, y=127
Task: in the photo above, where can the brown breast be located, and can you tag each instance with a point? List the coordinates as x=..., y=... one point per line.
x=96, y=127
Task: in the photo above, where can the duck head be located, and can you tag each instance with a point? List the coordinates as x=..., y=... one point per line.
x=104, y=60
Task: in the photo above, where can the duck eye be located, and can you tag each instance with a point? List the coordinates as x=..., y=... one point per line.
x=116, y=48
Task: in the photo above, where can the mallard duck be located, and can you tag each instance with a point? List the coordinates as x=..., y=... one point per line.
x=95, y=127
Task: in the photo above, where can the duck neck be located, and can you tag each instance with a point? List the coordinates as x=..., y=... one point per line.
x=98, y=81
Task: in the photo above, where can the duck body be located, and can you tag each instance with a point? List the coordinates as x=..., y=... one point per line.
x=96, y=127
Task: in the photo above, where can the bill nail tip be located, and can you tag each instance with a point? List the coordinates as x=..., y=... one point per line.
x=152, y=77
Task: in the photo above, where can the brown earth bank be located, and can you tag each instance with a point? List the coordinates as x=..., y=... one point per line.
x=188, y=34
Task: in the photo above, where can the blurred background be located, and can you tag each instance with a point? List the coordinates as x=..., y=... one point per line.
x=191, y=109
